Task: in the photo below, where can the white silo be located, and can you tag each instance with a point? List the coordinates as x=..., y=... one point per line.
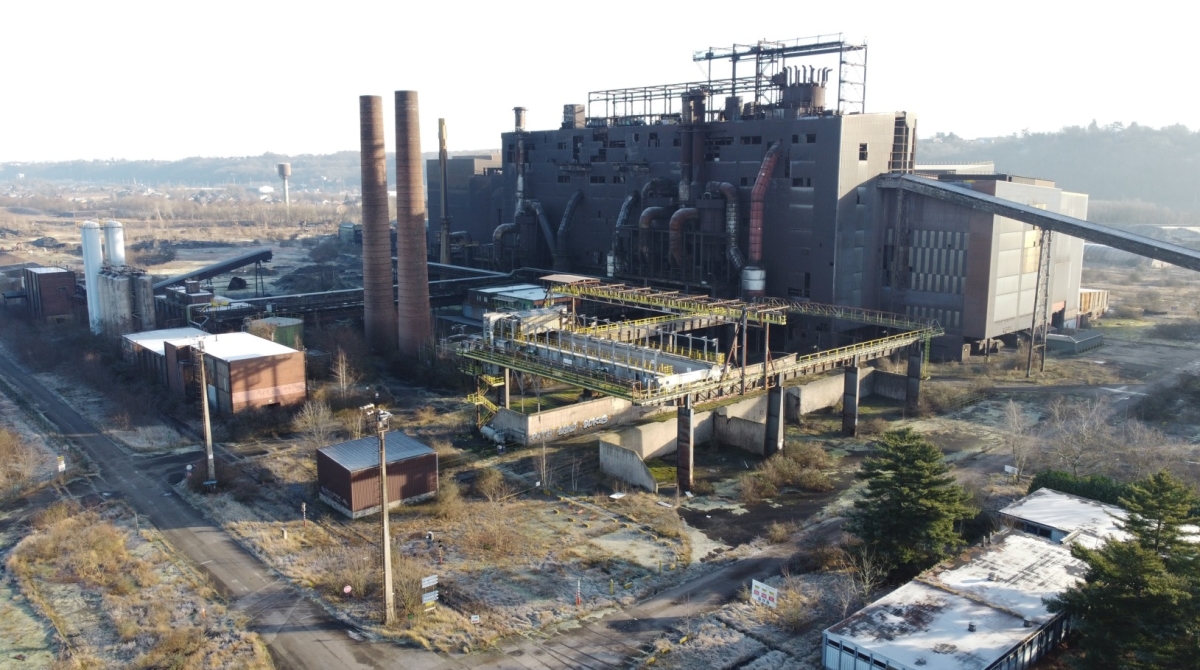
x=93, y=259
x=114, y=244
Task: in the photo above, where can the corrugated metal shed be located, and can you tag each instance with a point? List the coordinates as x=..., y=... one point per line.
x=363, y=453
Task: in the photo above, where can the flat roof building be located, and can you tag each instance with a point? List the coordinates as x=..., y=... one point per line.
x=50, y=292
x=985, y=609
x=348, y=473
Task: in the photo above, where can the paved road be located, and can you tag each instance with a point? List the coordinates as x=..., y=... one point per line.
x=300, y=634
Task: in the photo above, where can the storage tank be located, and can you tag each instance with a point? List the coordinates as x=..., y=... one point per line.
x=114, y=244
x=143, y=302
x=280, y=329
x=93, y=259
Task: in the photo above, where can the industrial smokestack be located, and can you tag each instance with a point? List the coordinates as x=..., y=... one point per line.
x=412, y=271
x=519, y=119
x=379, y=312
x=114, y=244
x=93, y=259
x=443, y=158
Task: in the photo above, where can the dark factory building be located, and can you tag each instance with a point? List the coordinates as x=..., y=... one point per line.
x=765, y=186
x=50, y=293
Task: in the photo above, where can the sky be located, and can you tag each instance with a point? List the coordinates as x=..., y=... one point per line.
x=167, y=80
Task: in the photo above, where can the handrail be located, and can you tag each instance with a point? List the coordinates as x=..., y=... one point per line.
x=733, y=310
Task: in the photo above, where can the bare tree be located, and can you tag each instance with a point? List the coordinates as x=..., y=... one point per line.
x=315, y=423
x=344, y=375
x=866, y=567
x=1017, y=429
x=1078, y=436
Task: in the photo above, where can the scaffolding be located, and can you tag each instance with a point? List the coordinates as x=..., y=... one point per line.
x=674, y=302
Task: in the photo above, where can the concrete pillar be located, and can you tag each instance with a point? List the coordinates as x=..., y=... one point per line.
x=507, y=385
x=773, y=443
x=850, y=401
x=684, y=442
x=912, y=395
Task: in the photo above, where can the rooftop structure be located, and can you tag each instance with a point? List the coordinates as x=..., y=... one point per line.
x=984, y=610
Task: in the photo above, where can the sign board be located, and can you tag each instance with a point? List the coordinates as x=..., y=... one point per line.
x=429, y=597
x=62, y=464
x=1011, y=470
x=427, y=582
x=474, y=618
x=763, y=594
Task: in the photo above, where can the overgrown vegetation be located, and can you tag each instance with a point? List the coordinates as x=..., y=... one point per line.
x=801, y=465
x=18, y=461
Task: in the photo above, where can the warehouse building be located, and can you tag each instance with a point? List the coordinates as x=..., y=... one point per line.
x=243, y=372
x=147, y=350
x=985, y=609
x=50, y=293
x=348, y=473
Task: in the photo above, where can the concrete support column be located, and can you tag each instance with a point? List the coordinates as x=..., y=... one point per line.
x=507, y=385
x=773, y=443
x=850, y=401
x=912, y=395
x=684, y=442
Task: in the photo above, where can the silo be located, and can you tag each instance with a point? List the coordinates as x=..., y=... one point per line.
x=143, y=302
x=379, y=310
x=121, y=319
x=114, y=244
x=93, y=259
x=412, y=272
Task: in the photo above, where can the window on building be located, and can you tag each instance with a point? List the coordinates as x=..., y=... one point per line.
x=564, y=179
x=616, y=144
x=562, y=145
x=675, y=142
x=618, y=179
x=745, y=181
x=751, y=139
x=810, y=138
x=862, y=152
x=597, y=179
x=653, y=140
x=805, y=182
x=637, y=136
x=795, y=139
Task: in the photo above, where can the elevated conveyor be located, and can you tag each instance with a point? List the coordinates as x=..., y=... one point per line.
x=1058, y=223
x=217, y=269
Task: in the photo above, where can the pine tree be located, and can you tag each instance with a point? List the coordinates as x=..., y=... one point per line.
x=908, y=513
x=1159, y=507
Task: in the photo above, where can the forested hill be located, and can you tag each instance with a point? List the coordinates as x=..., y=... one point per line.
x=1159, y=166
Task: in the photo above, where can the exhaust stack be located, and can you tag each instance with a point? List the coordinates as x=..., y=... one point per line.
x=415, y=324
x=379, y=312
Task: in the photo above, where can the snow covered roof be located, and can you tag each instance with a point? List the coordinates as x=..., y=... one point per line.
x=240, y=346
x=154, y=340
x=998, y=587
x=47, y=271
x=1068, y=514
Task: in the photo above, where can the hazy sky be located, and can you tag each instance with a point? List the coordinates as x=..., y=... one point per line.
x=173, y=79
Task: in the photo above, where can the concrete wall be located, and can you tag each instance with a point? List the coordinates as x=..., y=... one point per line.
x=735, y=432
x=887, y=384
x=815, y=395
x=627, y=466
x=577, y=419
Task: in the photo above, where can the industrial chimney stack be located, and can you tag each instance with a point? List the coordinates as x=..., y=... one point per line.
x=412, y=272
x=285, y=171
x=379, y=310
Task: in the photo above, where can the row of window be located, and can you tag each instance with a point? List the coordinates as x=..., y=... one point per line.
x=950, y=318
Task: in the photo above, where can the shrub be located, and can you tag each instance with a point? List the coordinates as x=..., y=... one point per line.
x=1095, y=487
x=703, y=487
x=490, y=484
x=778, y=533
x=449, y=503
x=753, y=488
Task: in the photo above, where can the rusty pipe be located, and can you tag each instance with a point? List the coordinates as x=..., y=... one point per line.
x=561, y=262
x=414, y=320
x=730, y=193
x=757, y=197
x=379, y=311
x=681, y=216
x=649, y=186
x=648, y=216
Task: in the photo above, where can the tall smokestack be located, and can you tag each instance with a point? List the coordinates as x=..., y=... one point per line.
x=379, y=312
x=412, y=271
x=444, y=237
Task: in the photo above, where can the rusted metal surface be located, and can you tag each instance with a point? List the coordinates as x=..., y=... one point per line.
x=757, y=198
x=415, y=323
x=379, y=313
x=678, y=252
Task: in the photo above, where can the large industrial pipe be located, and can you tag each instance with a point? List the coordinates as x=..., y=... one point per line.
x=379, y=310
x=650, y=186
x=681, y=216
x=754, y=277
x=498, y=238
x=648, y=216
x=698, y=135
x=757, y=197
x=114, y=244
x=622, y=221
x=730, y=193
x=93, y=258
x=412, y=271
x=544, y=223
x=685, y=154
x=562, y=262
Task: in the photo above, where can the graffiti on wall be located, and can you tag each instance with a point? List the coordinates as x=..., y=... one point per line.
x=567, y=429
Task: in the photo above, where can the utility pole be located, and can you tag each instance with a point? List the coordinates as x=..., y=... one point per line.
x=380, y=418
x=211, y=482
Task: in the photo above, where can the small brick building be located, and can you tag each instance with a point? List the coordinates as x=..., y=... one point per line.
x=348, y=473
x=50, y=293
x=243, y=372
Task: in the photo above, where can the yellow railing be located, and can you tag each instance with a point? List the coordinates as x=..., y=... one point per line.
x=732, y=310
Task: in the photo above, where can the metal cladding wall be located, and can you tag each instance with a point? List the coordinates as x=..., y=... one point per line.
x=50, y=292
x=414, y=321
x=358, y=492
x=379, y=311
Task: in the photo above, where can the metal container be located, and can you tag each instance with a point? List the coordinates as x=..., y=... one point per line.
x=93, y=259
x=573, y=116
x=754, y=282
x=114, y=244
x=284, y=170
x=280, y=329
x=348, y=473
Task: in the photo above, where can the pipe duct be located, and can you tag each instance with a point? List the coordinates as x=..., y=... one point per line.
x=415, y=324
x=623, y=219
x=561, y=261
x=730, y=193
x=757, y=197
x=650, y=187
x=379, y=311
x=498, y=238
x=678, y=219
x=544, y=223
x=648, y=216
